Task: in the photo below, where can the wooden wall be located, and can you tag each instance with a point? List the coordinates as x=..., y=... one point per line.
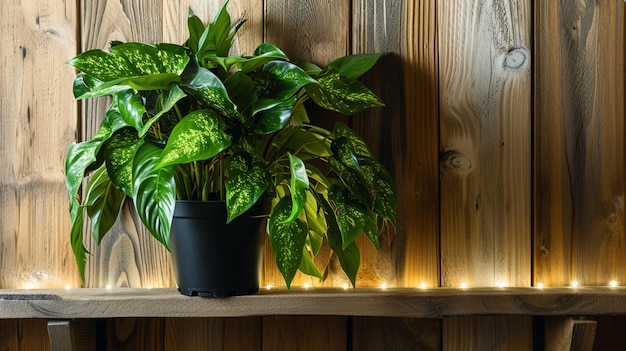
x=504, y=131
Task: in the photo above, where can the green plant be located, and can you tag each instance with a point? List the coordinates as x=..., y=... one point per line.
x=190, y=122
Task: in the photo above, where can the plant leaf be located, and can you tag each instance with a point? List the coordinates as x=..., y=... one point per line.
x=174, y=94
x=287, y=240
x=357, y=144
x=209, y=89
x=384, y=198
x=131, y=60
x=103, y=202
x=275, y=117
x=131, y=107
x=247, y=179
x=287, y=78
x=198, y=136
x=351, y=67
x=298, y=184
x=76, y=236
x=349, y=258
x=307, y=265
x=333, y=94
x=315, y=220
x=119, y=155
x=79, y=157
x=349, y=213
x=154, y=192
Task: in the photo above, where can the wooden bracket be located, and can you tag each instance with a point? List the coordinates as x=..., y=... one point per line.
x=566, y=333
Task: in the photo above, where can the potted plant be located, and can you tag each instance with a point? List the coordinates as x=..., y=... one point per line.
x=190, y=124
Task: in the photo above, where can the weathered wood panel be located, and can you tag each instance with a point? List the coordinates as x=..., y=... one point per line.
x=396, y=334
x=318, y=32
x=234, y=334
x=485, y=144
x=134, y=334
x=579, y=143
x=284, y=333
x=38, y=123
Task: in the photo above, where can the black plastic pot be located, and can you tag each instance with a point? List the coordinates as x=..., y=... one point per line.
x=213, y=258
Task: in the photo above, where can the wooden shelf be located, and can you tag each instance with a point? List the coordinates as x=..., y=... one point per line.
x=431, y=303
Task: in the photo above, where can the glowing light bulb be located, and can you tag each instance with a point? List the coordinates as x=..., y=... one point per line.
x=424, y=286
x=613, y=283
x=68, y=287
x=501, y=284
x=109, y=287
x=574, y=284
x=539, y=285
x=383, y=286
x=463, y=285
x=28, y=286
x=345, y=286
x=307, y=285
x=149, y=287
x=268, y=287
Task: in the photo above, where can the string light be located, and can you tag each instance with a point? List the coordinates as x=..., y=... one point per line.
x=268, y=287
x=574, y=284
x=613, y=283
x=424, y=286
x=345, y=286
x=463, y=285
x=68, y=287
x=501, y=284
x=383, y=286
x=109, y=287
x=307, y=285
x=540, y=285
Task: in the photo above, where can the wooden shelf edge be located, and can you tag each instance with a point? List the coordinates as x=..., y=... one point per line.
x=430, y=303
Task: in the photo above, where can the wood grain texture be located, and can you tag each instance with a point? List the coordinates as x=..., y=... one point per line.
x=485, y=149
x=135, y=334
x=315, y=31
x=488, y=333
x=306, y=333
x=566, y=333
x=395, y=334
x=38, y=122
x=579, y=142
x=413, y=303
x=24, y=334
x=236, y=334
x=485, y=142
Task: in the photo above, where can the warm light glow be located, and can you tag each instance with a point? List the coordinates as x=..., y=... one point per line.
x=149, y=287
x=345, y=286
x=268, y=287
x=307, y=285
x=613, y=283
x=68, y=287
x=539, y=285
x=574, y=284
x=109, y=287
x=501, y=284
x=28, y=286
x=383, y=286
x=463, y=285
x=424, y=286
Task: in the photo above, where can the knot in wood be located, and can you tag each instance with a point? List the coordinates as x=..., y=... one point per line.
x=515, y=59
x=454, y=161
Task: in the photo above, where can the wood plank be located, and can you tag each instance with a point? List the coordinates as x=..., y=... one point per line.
x=488, y=333
x=315, y=31
x=610, y=333
x=396, y=334
x=485, y=144
x=413, y=303
x=8, y=334
x=281, y=333
x=38, y=123
x=402, y=135
x=127, y=256
x=135, y=334
x=213, y=333
x=60, y=335
x=579, y=143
